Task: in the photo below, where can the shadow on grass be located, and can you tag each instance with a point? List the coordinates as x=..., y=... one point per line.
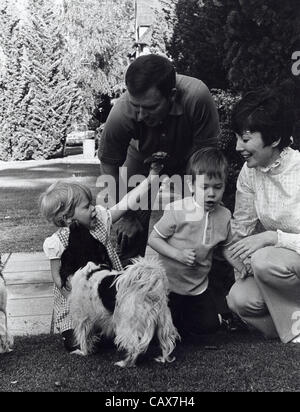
x=241, y=362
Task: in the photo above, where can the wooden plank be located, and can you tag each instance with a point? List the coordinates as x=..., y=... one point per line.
x=4, y=258
x=30, y=307
x=20, y=278
x=30, y=290
x=16, y=257
x=29, y=325
x=26, y=266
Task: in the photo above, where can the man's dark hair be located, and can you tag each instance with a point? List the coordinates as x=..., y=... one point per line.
x=150, y=71
x=268, y=112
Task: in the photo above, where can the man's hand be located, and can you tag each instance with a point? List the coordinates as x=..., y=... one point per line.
x=187, y=256
x=244, y=248
x=155, y=168
x=128, y=230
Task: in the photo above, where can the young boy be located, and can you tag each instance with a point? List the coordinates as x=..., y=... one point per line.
x=185, y=238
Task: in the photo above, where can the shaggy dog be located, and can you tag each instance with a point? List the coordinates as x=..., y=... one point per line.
x=6, y=341
x=129, y=306
x=141, y=309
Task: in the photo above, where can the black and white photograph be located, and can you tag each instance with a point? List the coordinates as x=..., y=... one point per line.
x=149, y=198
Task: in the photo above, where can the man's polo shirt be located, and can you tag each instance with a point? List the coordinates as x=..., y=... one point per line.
x=191, y=123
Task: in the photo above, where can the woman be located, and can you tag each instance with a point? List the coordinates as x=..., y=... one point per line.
x=268, y=193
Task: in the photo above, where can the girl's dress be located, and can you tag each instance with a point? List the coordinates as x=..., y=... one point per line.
x=54, y=247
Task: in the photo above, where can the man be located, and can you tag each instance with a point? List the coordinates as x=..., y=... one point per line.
x=160, y=111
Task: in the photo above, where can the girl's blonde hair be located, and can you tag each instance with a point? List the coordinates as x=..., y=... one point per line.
x=60, y=199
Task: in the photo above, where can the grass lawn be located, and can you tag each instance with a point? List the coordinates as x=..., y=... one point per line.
x=22, y=228
x=240, y=362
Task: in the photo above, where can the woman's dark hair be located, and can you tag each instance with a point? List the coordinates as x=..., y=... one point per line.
x=266, y=111
x=148, y=71
x=210, y=161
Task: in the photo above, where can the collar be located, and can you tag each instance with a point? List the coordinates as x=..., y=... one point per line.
x=278, y=162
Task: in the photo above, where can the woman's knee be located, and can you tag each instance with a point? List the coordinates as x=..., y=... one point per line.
x=261, y=262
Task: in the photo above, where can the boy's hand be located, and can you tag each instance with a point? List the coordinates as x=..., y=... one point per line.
x=187, y=256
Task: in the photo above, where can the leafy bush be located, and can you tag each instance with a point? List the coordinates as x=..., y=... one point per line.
x=191, y=33
x=225, y=100
x=259, y=42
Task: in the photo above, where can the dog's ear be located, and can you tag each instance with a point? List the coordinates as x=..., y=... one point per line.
x=68, y=266
x=89, y=267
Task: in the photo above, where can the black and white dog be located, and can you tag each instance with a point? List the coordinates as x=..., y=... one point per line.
x=129, y=307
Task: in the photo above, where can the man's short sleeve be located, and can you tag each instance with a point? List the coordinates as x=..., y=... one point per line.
x=117, y=133
x=166, y=226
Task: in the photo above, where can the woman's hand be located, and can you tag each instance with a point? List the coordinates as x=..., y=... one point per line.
x=244, y=248
x=243, y=268
x=187, y=256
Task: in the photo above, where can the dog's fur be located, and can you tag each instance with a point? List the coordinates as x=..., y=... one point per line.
x=82, y=248
x=6, y=341
x=141, y=309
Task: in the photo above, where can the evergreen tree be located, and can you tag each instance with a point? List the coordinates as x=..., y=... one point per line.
x=38, y=102
x=56, y=101
x=13, y=80
x=99, y=35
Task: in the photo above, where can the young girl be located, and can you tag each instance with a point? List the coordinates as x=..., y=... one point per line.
x=64, y=203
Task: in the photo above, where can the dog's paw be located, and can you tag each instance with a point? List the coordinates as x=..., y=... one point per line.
x=162, y=359
x=78, y=352
x=6, y=344
x=121, y=364
x=124, y=364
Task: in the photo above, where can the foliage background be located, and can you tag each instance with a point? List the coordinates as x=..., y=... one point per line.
x=61, y=61
x=233, y=46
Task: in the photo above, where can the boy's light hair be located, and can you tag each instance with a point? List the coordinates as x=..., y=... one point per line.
x=58, y=202
x=210, y=161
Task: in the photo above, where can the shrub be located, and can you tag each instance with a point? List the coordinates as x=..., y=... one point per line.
x=225, y=100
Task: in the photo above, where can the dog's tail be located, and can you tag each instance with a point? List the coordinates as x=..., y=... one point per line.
x=144, y=278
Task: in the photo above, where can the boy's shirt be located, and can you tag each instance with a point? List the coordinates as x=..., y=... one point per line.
x=185, y=225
